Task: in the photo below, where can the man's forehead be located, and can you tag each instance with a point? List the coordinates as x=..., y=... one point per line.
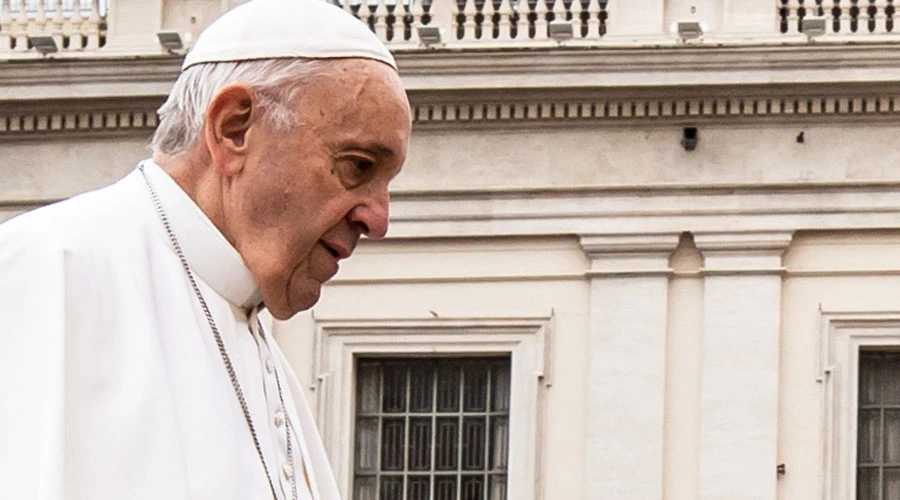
x=358, y=82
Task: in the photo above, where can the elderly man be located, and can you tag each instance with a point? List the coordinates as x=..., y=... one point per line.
x=133, y=363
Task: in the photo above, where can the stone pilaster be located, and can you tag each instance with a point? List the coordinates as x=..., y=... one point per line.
x=739, y=394
x=626, y=382
x=748, y=18
x=635, y=19
x=133, y=25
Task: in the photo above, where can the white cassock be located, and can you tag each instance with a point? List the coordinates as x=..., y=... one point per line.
x=111, y=384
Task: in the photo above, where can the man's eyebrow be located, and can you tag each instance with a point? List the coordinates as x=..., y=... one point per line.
x=378, y=148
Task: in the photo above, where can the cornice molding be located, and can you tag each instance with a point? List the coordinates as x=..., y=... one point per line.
x=73, y=118
x=763, y=242
x=650, y=66
x=512, y=87
x=689, y=107
x=634, y=210
x=604, y=245
x=629, y=255
x=743, y=253
x=602, y=66
x=511, y=110
x=87, y=78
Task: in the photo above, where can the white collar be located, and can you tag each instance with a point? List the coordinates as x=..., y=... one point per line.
x=209, y=254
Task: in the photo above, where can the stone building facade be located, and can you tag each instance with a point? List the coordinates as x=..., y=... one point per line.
x=675, y=223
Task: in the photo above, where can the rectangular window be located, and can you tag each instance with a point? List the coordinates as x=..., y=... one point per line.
x=878, y=426
x=431, y=428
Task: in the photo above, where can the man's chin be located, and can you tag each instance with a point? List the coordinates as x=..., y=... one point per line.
x=298, y=302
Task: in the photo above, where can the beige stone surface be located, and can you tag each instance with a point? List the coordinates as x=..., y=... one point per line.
x=546, y=185
x=635, y=156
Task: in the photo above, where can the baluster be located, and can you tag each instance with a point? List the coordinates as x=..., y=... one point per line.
x=859, y=18
x=604, y=17
x=862, y=18
x=792, y=20
x=355, y=8
x=41, y=18
x=57, y=24
x=559, y=10
x=827, y=11
x=470, y=25
x=540, y=23
x=402, y=20
x=520, y=7
x=593, y=20
x=890, y=21
x=5, y=27
x=76, y=21
x=417, y=11
x=93, y=27
x=812, y=7
x=488, y=9
x=367, y=13
x=880, y=16
x=845, y=19
x=380, y=18
x=21, y=24
x=504, y=25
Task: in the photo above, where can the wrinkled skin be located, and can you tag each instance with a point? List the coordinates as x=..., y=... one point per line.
x=296, y=202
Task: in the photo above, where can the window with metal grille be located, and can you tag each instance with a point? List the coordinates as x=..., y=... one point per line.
x=431, y=429
x=878, y=426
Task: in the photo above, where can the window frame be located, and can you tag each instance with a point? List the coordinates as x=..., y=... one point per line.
x=339, y=342
x=842, y=336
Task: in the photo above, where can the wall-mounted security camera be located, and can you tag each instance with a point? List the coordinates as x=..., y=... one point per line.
x=689, y=138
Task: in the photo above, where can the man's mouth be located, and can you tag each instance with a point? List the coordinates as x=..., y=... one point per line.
x=337, y=251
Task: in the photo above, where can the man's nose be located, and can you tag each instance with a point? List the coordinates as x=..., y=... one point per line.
x=373, y=216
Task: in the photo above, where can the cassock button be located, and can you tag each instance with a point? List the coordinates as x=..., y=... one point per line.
x=287, y=472
x=279, y=418
x=270, y=366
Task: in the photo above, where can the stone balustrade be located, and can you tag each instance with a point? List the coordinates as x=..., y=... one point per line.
x=842, y=17
x=483, y=21
x=74, y=25
x=94, y=28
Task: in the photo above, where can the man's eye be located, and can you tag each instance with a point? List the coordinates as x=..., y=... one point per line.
x=363, y=165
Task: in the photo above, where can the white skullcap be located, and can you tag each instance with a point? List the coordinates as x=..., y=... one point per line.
x=273, y=29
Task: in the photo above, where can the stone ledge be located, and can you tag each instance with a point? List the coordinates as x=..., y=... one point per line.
x=444, y=70
x=51, y=117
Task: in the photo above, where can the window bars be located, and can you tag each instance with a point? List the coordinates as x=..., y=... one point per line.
x=431, y=429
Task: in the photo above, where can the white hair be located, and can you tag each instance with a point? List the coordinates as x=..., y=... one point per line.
x=275, y=81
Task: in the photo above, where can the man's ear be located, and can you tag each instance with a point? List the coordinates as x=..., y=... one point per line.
x=228, y=118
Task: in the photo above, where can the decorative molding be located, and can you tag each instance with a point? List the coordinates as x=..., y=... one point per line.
x=616, y=255
x=662, y=109
x=778, y=62
x=527, y=340
x=651, y=209
x=66, y=117
x=572, y=112
x=743, y=253
x=795, y=66
x=841, y=336
x=521, y=87
x=757, y=242
x=19, y=124
x=493, y=113
x=84, y=77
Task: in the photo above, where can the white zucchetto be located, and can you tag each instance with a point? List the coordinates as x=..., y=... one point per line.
x=274, y=29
